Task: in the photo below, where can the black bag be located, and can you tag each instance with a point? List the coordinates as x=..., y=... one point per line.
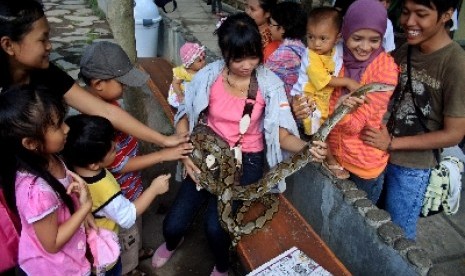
x=162, y=3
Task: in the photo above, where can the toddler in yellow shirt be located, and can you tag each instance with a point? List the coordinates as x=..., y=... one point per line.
x=193, y=59
x=320, y=65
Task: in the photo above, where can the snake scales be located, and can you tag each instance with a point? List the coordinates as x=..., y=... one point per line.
x=219, y=176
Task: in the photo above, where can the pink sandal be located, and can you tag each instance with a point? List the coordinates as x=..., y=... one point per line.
x=162, y=255
x=215, y=272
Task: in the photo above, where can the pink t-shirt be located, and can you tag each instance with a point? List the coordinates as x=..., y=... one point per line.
x=35, y=200
x=225, y=112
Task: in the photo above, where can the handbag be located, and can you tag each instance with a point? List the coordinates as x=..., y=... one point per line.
x=444, y=187
x=105, y=249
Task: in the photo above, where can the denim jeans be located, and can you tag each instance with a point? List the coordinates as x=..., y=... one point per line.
x=405, y=190
x=189, y=201
x=372, y=186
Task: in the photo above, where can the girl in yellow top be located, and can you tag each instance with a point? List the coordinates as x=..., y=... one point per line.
x=193, y=59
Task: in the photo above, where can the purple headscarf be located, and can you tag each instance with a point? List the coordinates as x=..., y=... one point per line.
x=362, y=14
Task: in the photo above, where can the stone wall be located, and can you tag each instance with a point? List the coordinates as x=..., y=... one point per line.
x=362, y=236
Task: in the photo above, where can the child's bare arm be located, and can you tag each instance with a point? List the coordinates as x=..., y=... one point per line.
x=177, y=85
x=159, y=185
x=53, y=236
x=348, y=83
x=189, y=167
x=294, y=144
x=168, y=154
x=86, y=103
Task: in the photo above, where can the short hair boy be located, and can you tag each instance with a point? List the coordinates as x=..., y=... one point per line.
x=106, y=69
x=430, y=117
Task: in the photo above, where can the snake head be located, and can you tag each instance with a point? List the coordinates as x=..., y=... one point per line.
x=380, y=87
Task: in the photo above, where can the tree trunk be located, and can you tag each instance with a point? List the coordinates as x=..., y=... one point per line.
x=120, y=16
x=121, y=19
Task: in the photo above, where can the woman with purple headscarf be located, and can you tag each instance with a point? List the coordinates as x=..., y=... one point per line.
x=365, y=61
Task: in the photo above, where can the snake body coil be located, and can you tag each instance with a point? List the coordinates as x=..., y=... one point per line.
x=219, y=177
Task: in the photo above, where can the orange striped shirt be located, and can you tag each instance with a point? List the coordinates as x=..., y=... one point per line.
x=344, y=140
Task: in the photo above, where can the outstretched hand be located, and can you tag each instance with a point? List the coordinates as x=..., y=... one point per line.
x=178, y=152
x=191, y=169
x=176, y=139
x=161, y=183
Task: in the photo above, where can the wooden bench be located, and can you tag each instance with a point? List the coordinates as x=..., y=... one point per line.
x=287, y=228
x=161, y=75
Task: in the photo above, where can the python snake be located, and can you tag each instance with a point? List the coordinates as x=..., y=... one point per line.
x=213, y=156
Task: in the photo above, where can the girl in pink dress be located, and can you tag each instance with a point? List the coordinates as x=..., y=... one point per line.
x=51, y=201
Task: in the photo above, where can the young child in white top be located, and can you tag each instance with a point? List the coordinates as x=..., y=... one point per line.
x=88, y=151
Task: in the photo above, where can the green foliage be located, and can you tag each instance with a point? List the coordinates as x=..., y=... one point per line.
x=95, y=8
x=91, y=36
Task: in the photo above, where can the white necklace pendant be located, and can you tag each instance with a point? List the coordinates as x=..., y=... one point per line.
x=244, y=124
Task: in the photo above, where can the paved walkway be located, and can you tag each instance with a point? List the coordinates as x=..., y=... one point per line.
x=74, y=26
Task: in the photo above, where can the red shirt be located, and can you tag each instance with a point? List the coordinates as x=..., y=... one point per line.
x=126, y=148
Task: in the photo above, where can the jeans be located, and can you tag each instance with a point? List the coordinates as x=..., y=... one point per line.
x=372, y=186
x=189, y=201
x=404, y=190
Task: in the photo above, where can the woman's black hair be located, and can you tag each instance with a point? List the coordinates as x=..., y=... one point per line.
x=267, y=5
x=238, y=37
x=89, y=140
x=292, y=17
x=441, y=6
x=28, y=112
x=16, y=19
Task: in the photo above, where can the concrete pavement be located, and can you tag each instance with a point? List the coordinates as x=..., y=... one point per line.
x=74, y=25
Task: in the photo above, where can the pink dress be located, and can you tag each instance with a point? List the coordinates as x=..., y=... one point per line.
x=35, y=200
